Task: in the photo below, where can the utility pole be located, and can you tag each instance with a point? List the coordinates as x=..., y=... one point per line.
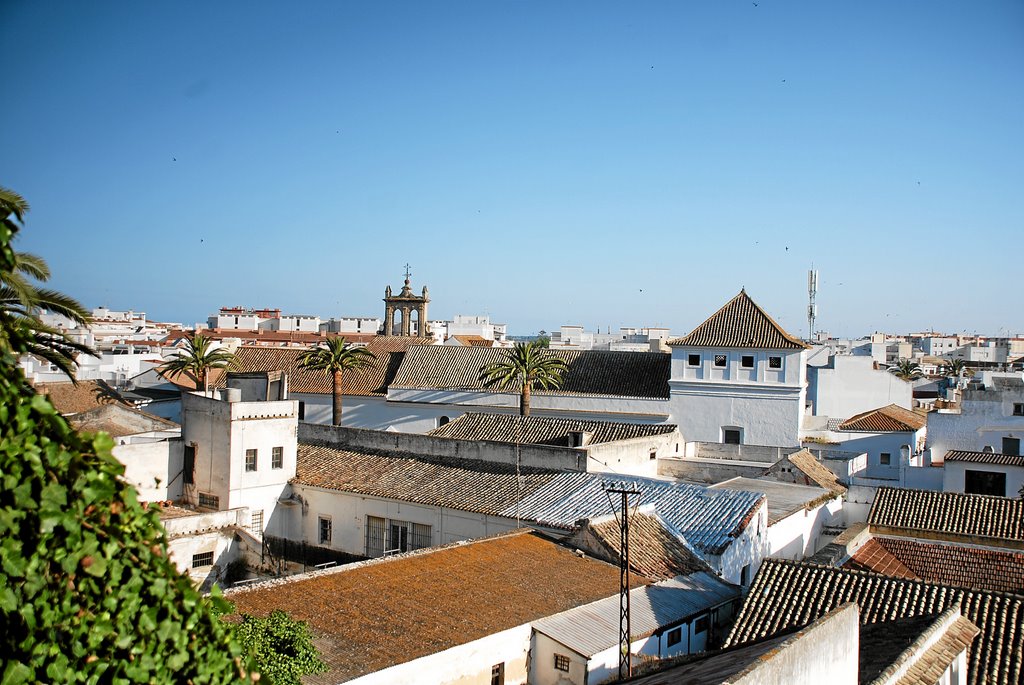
x=625, y=663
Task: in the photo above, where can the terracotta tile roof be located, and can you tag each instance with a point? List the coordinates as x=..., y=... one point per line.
x=378, y=614
x=790, y=594
x=892, y=418
x=948, y=513
x=622, y=374
x=654, y=551
x=930, y=667
x=809, y=470
x=303, y=338
x=536, y=430
x=465, y=484
x=372, y=380
x=985, y=458
x=740, y=323
x=876, y=557
x=474, y=340
x=69, y=398
x=957, y=565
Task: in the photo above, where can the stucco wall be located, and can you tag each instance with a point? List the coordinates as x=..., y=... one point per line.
x=154, y=468
x=348, y=514
x=766, y=415
x=468, y=664
x=747, y=550
x=954, y=474
x=798, y=536
x=854, y=386
x=985, y=418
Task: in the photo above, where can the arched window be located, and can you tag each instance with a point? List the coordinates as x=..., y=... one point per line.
x=442, y=421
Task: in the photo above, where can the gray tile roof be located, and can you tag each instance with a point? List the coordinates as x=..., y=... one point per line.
x=790, y=594
x=536, y=430
x=621, y=374
x=594, y=628
x=708, y=519
x=993, y=458
x=948, y=513
x=740, y=323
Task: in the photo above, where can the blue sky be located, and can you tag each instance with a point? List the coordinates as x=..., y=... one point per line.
x=547, y=163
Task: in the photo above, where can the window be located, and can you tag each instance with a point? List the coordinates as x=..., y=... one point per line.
x=250, y=460
x=256, y=524
x=693, y=360
x=885, y=458
x=188, y=471
x=1018, y=408
x=208, y=500
x=654, y=454
x=498, y=674
x=277, y=458
x=774, y=362
x=701, y=625
x=561, y=663
x=747, y=361
x=732, y=436
x=720, y=359
x=420, y=536
x=745, y=575
x=1011, y=446
x=325, y=530
x=302, y=410
x=674, y=637
x=202, y=559
x=984, y=483
x=398, y=541
x=376, y=534
x=443, y=421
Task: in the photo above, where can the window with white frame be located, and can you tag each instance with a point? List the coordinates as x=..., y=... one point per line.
x=277, y=458
x=324, y=530
x=693, y=359
x=747, y=361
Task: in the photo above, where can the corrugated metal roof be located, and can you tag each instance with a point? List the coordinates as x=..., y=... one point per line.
x=740, y=323
x=593, y=628
x=537, y=430
x=616, y=374
x=708, y=519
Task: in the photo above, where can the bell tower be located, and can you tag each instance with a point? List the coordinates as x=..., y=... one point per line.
x=406, y=304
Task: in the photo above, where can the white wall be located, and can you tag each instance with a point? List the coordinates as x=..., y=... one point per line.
x=468, y=664
x=986, y=416
x=746, y=550
x=954, y=475
x=798, y=535
x=154, y=468
x=854, y=386
x=348, y=513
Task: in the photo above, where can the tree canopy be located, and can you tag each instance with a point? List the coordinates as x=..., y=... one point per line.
x=336, y=356
x=87, y=591
x=524, y=366
x=197, y=359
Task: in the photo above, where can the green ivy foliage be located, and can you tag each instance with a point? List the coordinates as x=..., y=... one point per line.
x=282, y=647
x=87, y=591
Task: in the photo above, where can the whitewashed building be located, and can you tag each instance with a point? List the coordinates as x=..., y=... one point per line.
x=739, y=378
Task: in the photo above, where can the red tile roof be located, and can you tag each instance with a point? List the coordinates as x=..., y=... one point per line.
x=69, y=398
x=740, y=323
x=892, y=418
x=957, y=565
x=386, y=612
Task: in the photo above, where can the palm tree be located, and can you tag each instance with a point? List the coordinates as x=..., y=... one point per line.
x=523, y=367
x=197, y=360
x=955, y=367
x=21, y=299
x=336, y=356
x=907, y=369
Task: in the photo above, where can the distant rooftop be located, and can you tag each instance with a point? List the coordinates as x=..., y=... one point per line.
x=997, y=518
x=740, y=323
x=536, y=430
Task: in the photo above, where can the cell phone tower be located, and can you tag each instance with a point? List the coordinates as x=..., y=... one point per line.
x=812, y=308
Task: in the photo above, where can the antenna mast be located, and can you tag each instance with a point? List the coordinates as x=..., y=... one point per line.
x=812, y=308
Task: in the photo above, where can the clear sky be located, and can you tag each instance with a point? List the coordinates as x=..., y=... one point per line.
x=547, y=163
